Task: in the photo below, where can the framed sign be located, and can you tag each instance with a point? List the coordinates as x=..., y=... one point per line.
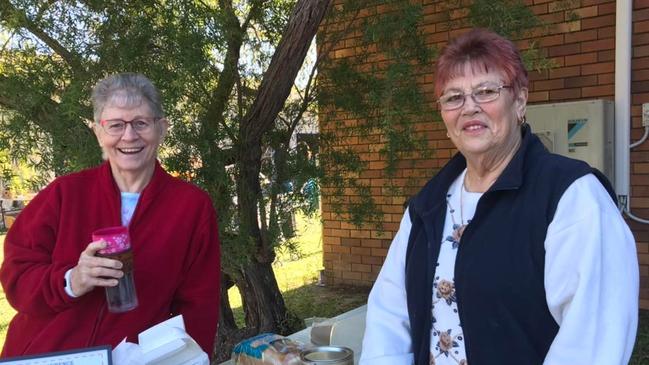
x=90, y=356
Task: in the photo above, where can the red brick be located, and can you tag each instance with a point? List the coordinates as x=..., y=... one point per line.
x=558, y=6
x=582, y=13
x=640, y=39
x=598, y=21
x=567, y=49
x=552, y=17
x=598, y=45
x=641, y=168
x=331, y=224
x=369, y=278
x=598, y=68
x=608, y=78
x=558, y=61
x=379, y=252
x=361, y=268
x=640, y=75
x=547, y=85
x=639, y=99
x=565, y=94
x=608, y=8
x=606, y=32
x=603, y=56
x=351, y=259
x=642, y=14
x=340, y=249
x=581, y=81
x=352, y=275
x=564, y=72
x=331, y=256
x=534, y=75
x=640, y=63
x=357, y=233
x=539, y=9
x=538, y=96
x=567, y=27
x=641, y=51
x=640, y=4
x=350, y=242
x=584, y=35
x=372, y=260
x=581, y=59
x=593, y=2
x=641, y=27
x=593, y=91
x=639, y=87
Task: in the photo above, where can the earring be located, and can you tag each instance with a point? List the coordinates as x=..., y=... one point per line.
x=522, y=121
x=447, y=135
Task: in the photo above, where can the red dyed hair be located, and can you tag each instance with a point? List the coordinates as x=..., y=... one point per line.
x=484, y=51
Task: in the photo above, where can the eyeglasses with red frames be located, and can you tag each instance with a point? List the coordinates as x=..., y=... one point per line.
x=117, y=127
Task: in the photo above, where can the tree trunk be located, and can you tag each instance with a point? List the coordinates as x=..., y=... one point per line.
x=263, y=303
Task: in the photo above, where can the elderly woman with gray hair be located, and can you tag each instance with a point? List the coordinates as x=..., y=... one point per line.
x=51, y=272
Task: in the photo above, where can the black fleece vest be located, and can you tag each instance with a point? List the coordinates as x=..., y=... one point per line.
x=499, y=269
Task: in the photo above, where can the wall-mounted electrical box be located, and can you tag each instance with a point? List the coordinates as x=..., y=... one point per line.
x=583, y=130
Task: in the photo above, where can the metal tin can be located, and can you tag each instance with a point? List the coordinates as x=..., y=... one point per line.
x=327, y=355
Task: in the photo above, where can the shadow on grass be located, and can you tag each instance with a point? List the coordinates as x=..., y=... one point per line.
x=641, y=349
x=317, y=301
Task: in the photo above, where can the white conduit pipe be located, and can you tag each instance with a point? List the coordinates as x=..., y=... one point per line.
x=623, y=10
x=623, y=49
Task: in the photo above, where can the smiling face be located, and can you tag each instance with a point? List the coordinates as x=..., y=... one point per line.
x=130, y=154
x=489, y=129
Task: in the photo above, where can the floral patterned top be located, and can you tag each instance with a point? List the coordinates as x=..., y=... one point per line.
x=447, y=340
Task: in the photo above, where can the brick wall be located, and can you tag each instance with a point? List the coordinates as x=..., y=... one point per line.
x=583, y=50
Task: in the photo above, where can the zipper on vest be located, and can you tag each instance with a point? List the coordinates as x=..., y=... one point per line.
x=460, y=273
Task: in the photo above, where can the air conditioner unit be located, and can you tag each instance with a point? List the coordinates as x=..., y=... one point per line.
x=582, y=130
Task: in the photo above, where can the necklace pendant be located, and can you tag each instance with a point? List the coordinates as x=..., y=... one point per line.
x=458, y=230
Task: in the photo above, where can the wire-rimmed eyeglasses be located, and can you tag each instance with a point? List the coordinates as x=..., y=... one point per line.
x=482, y=94
x=117, y=127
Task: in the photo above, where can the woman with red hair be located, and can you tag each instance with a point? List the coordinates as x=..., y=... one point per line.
x=510, y=254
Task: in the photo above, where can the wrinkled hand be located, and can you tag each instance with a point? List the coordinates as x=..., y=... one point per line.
x=92, y=271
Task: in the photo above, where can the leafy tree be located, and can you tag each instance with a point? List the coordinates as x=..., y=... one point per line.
x=226, y=70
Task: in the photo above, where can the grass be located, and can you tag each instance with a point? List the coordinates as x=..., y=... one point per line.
x=641, y=349
x=297, y=273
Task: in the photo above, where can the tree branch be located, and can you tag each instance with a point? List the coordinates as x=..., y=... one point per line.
x=284, y=66
x=215, y=113
x=73, y=60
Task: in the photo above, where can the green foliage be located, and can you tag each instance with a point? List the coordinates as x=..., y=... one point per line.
x=56, y=51
x=385, y=100
x=515, y=20
x=15, y=175
x=208, y=59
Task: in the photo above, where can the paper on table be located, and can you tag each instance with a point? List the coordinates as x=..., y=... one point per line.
x=127, y=353
x=166, y=343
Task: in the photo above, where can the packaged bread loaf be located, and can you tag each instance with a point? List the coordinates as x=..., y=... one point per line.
x=267, y=349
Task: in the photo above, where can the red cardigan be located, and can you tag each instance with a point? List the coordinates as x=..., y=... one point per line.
x=176, y=254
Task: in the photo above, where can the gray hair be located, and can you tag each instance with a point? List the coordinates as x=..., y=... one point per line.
x=125, y=89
